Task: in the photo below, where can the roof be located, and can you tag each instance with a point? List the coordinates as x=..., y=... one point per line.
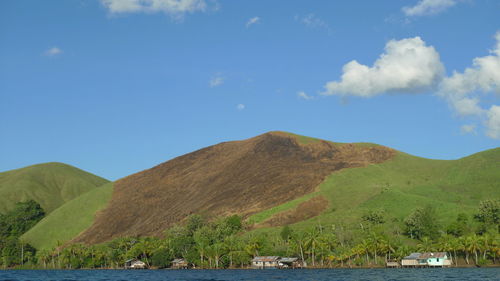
x=178, y=261
x=432, y=255
x=412, y=256
x=288, y=259
x=265, y=259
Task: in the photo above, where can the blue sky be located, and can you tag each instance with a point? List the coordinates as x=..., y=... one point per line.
x=115, y=87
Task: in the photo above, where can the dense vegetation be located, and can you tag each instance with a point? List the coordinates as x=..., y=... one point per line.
x=225, y=243
x=12, y=225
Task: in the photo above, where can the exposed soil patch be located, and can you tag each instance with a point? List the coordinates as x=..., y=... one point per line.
x=240, y=177
x=303, y=211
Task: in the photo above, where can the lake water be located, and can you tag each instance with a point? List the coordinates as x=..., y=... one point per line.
x=489, y=274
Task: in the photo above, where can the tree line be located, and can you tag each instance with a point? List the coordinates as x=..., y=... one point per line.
x=227, y=243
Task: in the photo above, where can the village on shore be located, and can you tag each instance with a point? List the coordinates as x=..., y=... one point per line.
x=415, y=260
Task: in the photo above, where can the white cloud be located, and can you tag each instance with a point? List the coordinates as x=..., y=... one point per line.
x=493, y=122
x=466, y=106
x=468, y=129
x=409, y=66
x=252, y=21
x=174, y=8
x=464, y=91
x=304, y=95
x=311, y=20
x=428, y=7
x=240, y=106
x=54, y=51
x=216, y=81
x=406, y=66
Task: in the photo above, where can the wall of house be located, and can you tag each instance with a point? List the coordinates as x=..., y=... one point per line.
x=409, y=262
x=436, y=261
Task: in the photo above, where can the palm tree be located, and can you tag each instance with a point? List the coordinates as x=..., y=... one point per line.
x=233, y=245
x=444, y=244
x=426, y=245
x=455, y=246
x=495, y=247
x=217, y=250
x=44, y=256
x=486, y=244
x=374, y=242
x=387, y=248
x=299, y=241
x=473, y=245
x=402, y=251
x=364, y=247
x=312, y=242
x=253, y=246
x=462, y=246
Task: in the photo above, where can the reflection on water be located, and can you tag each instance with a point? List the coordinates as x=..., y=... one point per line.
x=489, y=274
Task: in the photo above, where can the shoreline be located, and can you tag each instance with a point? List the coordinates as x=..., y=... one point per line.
x=274, y=269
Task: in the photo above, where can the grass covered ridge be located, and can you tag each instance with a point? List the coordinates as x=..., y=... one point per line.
x=69, y=220
x=399, y=186
x=49, y=184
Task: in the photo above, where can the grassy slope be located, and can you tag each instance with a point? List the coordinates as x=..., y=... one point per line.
x=50, y=184
x=67, y=221
x=397, y=186
x=402, y=184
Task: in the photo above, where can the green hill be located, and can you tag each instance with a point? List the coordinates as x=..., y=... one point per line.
x=49, y=184
x=397, y=187
x=67, y=221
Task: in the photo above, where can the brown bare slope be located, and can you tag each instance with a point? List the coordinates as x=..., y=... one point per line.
x=240, y=177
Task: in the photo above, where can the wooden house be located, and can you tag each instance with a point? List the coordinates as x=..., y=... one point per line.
x=439, y=259
x=265, y=262
x=135, y=264
x=291, y=263
x=411, y=260
x=180, y=264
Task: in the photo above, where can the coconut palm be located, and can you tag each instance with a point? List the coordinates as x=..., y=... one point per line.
x=444, y=244
x=312, y=243
x=374, y=242
x=299, y=242
x=485, y=244
x=425, y=245
x=473, y=245
x=233, y=246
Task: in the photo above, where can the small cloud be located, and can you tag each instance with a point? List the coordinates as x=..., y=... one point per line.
x=312, y=21
x=216, y=81
x=493, y=123
x=304, y=95
x=252, y=21
x=468, y=129
x=428, y=7
x=240, y=107
x=174, y=8
x=54, y=51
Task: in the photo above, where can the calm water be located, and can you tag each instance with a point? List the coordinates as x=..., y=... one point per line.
x=490, y=274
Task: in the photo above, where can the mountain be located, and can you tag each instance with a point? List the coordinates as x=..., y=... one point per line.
x=272, y=180
x=239, y=177
x=49, y=184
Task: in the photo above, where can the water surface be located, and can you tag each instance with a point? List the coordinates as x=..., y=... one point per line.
x=427, y=274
